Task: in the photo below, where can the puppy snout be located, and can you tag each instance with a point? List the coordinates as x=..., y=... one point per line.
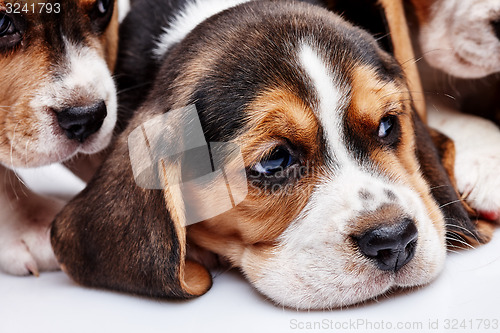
x=496, y=27
x=81, y=122
x=390, y=246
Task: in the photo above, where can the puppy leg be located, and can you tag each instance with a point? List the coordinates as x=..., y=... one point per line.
x=477, y=163
x=25, y=219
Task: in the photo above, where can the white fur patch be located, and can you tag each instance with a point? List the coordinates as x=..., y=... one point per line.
x=193, y=13
x=332, y=99
x=123, y=9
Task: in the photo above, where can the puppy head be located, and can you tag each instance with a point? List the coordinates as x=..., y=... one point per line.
x=341, y=174
x=461, y=38
x=57, y=96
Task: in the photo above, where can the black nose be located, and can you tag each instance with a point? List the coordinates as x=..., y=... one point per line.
x=496, y=27
x=392, y=246
x=81, y=122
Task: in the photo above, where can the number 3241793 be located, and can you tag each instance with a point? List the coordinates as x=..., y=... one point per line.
x=39, y=7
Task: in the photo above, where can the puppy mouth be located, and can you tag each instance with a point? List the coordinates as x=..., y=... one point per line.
x=383, y=285
x=69, y=146
x=54, y=144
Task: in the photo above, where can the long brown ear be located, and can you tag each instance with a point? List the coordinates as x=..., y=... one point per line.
x=436, y=154
x=119, y=236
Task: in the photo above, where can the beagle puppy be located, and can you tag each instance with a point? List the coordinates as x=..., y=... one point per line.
x=460, y=44
x=346, y=195
x=57, y=100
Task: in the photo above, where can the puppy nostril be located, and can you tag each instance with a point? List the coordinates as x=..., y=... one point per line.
x=496, y=27
x=391, y=247
x=79, y=123
x=76, y=130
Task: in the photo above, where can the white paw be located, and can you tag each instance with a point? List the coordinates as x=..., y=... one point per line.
x=478, y=179
x=25, y=237
x=477, y=163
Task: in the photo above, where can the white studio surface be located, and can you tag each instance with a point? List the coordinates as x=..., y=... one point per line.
x=464, y=298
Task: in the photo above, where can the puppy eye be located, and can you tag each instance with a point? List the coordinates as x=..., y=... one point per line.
x=278, y=160
x=103, y=6
x=10, y=35
x=388, y=131
x=6, y=25
x=101, y=14
x=385, y=127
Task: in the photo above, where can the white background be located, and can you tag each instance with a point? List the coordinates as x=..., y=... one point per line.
x=468, y=289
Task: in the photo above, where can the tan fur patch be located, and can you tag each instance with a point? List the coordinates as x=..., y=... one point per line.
x=386, y=214
x=22, y=75
x=109, y=40
x=194, y=278
x=274, y=116
x=403, y=50
x=423, y=10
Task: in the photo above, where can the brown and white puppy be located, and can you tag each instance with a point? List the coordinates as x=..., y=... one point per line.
x=57, y=100
x=347, y=198
x=460, y=44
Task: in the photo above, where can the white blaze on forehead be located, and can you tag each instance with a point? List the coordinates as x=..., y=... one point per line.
x=193, y=13
x=332, y=100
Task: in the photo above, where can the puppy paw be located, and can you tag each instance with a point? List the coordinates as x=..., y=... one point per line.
x=477, y=159
x=16, y=259
x=25, y=238
x=477, y=172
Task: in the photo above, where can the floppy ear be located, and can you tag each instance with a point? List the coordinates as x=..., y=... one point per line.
x=436, y=154
x=119, y=236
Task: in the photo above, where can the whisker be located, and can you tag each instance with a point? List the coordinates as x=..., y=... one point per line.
x=383, y=36
x=450, y=203
x=411, y=61
x=26, y=152
x=439, y=186
x=133, y=87
x=457, y=240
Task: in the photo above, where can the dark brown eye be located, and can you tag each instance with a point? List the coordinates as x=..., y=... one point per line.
x=385, y=127
x=388, y=131
x=103, y=6
x=6, y=25
x=101, y=14
x=278, y=160
x=10, y=34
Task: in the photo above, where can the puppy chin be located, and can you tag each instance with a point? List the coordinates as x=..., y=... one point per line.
x=95, y=144
x=57, y=149
x=35, y=159
x=299, y=292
